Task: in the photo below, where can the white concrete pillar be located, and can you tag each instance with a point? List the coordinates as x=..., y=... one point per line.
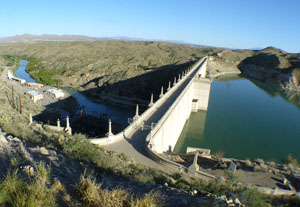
x=151, y=100
x=161, y=92
x=179, y=77
x=67, y=122
x=109, y=133
x=30, y=118
x=194, y=167
x=68, y=129
x=169, y=88
x=136, y=113
x=174, y=81
x=58, y=123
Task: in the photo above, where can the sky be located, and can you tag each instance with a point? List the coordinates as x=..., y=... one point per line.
x=240, y=24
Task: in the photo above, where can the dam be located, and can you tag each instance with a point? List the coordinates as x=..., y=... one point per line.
x=160, y=126
x=163, y=137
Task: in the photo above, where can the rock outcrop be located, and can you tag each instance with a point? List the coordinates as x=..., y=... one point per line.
x=226, y=62
x=273, y=66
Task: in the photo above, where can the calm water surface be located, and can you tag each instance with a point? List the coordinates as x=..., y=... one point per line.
x=246, y=119
x=21, y=72
x=115, y=113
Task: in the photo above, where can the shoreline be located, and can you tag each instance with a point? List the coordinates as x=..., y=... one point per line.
x=224, y=74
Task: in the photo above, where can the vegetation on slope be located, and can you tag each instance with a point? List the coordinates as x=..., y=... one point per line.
x=12, y=60
x=92, y=65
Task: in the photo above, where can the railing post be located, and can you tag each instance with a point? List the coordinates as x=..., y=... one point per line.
x=151, y=100
x=161, y=92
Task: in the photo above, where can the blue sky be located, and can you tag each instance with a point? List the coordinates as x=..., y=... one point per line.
x=223, y=23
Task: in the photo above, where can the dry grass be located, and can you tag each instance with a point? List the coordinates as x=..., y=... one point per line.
x=17, y=192
x=92, y=195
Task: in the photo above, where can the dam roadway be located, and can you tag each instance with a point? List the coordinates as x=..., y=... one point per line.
x=134, y=144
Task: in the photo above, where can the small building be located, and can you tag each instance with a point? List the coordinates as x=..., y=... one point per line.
x=57, y=93
x=35, y=96
x=10, y=76
x=20, y=80
x=34, y=85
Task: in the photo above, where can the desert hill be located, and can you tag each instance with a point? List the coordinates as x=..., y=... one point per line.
x=102, y=65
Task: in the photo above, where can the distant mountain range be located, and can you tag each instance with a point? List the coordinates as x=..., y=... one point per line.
x=29, y=38
x=46, y=38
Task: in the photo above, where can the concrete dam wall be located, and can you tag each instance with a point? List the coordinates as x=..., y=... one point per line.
x=197, y=70
x=194, y=97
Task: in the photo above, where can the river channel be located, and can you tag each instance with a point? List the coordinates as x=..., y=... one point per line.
x=115, y=113
x=246, y=119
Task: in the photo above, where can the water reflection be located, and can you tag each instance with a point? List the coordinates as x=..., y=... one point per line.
x=289, y=95
x=193, y=131
x=116, y=114
x=249, y=119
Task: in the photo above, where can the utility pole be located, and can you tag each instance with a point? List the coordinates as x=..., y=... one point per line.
x=20, y=104
x=17, y=103
x=13, y=97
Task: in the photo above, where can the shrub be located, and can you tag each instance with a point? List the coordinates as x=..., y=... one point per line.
x=80, y=148
x=294, y=201
x=290, y=160
x=252, y=197
x=12, y=60
x=91, y=195
x=14, y=191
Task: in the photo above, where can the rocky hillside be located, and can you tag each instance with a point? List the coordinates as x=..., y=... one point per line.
x=226, y=62
x=270, y=65
x=273, y=66
x=116, y=65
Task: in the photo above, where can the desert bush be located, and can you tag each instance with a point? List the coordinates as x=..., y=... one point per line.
x=177, y=176
x=91, y=195
x=294, y=201
x=82, y=149
x=252, y=197
x=12, y=60
x=17, y=192
x=290, y=160
x=42, y=173
x=230, y=188
x=219, y=155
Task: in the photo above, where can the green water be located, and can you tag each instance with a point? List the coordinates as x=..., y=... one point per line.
x=246, y=119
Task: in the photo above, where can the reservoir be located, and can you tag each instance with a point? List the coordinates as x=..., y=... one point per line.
x=246, y=119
